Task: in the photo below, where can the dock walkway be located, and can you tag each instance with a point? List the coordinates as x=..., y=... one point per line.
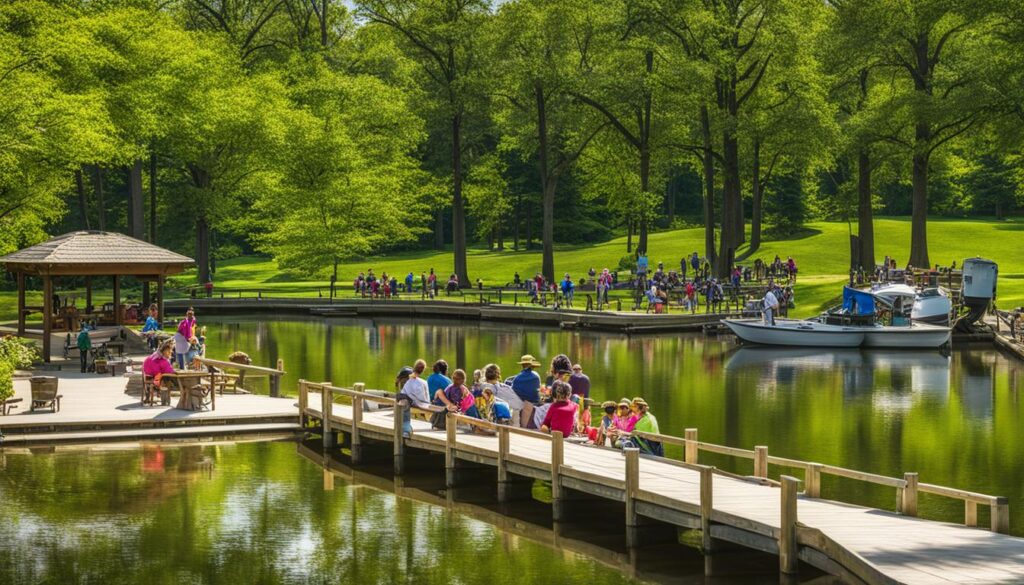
x=857, y=543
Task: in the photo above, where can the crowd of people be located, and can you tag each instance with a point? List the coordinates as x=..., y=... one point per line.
x=368, y=285
x=561, y=402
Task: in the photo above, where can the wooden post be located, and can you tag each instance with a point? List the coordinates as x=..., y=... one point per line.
x=21, y=303
x=275, y=380
x=118, y=317
x=326, y=409
x=47, y=315
x=356, y=442
x=399, y=443
x=88, y=297
x=449, y=450
x=707, y=475
x=328, y=480
x=160, y=298
x=788, y=559
x=760, y=461
x=503, y=484
x=691, y=453
x=909, y=507
x=303, y=402
x=970, y=513
x=812, y=480
x=632, y=487
x=1001, y=516
x=557, y=457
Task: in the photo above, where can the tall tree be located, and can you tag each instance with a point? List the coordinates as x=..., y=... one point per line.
x=443, y=35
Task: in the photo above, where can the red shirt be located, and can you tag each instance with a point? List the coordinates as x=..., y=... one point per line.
x=561, y=416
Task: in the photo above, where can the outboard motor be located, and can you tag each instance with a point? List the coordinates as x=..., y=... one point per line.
x=977, y=290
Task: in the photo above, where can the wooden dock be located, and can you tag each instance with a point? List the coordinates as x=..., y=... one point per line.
x=856, y=543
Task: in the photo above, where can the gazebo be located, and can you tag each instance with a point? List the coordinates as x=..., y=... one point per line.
x=89, y=254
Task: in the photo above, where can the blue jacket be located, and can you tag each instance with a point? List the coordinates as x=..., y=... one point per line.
x=526, y=385
x=151, y=325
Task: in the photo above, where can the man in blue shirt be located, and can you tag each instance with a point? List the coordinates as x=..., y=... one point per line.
x=526, y=384
x=439, y=380
x=408, y=282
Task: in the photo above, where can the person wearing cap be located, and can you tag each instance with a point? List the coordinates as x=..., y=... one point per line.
x=622, y=423
x=561, y=416
x=579, y=382
x=526, y=384
x=608, y=406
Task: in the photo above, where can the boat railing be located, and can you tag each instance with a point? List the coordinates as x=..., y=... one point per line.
x=907, y=488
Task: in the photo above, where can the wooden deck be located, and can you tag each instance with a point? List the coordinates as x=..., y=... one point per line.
x=857, y=543
x=96, y=408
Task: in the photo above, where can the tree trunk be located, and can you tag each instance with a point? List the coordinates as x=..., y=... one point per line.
x=203, y=249
x=865, y=219
x=730, y=192
x=919, y=215
x=645, y=175
x=756, y=202
x=101, y=205
x=439, y=229
x=458, y=208
x=671, y=192
x=152, y=197
x=83, y=206
x=136, y=207
x=709, y=187
x=548, y=184
x=529, y=226
x=501, y=237
x=323, y=23
x=515, y=228
x=629, y=236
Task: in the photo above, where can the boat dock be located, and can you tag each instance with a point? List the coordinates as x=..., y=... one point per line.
x=784, y=516
x=619, y=321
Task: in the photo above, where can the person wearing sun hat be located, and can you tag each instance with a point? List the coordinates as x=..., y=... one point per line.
x=526, y=384
x=646, y=423
x=622, y=423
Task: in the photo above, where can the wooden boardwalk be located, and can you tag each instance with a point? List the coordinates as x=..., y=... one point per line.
x=857, y=543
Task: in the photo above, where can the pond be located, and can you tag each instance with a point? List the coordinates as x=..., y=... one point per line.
x=956, y=420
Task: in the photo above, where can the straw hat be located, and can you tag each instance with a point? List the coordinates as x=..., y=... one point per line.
x=639, y=401
x=608, y=403
x=529, y=360
x=624, y=402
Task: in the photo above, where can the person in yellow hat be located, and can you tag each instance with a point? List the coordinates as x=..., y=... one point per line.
x=646, y=423
x=526, y=383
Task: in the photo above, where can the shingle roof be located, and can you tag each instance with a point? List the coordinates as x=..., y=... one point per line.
x=94, y=247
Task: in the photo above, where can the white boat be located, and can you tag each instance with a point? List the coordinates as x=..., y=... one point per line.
x=795, y=333
x=931, y=305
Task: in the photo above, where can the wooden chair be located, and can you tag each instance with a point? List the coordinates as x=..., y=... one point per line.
x=44, y=394
x=8, y=405
x=222, y=381
x=150, y=391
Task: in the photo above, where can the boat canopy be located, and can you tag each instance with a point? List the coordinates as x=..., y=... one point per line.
x=858, y=302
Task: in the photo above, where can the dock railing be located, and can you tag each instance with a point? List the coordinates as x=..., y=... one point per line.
x=907, y=488
x=275, y=374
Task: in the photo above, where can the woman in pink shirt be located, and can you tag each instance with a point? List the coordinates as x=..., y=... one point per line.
x=561, y=416
x=159, y=363
x=185, y=336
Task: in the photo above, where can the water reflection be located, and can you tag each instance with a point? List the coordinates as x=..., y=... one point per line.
x=955, y=420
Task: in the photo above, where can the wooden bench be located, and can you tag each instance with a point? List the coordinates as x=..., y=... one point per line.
x=9, y=405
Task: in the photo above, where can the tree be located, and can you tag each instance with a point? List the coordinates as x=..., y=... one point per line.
x=348, y=185
x=442, y=35
x=534, y=44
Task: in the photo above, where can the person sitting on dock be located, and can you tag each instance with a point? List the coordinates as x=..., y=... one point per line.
x=159, y=363
x=152, y=327
x=438, y=380
x=608, y=406
x=622, y=423
x=413, y=393
x=646, y=423
x=521, y=409
x=579, y=381
x=526, y=384
x=561, y=415
x=561, y=369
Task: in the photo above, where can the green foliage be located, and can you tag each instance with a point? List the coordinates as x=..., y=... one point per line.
x=786, y=207
x=15, y=353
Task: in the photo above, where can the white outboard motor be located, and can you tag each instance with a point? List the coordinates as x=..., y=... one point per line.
x=978, y=288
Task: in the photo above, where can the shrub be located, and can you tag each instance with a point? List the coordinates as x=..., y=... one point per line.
x=19, y=353
x=6, y=382
x=627, y=263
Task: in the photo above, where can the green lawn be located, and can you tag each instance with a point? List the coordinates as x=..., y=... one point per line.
x=822, y=256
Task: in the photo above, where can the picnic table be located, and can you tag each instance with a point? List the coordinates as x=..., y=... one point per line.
x=183, y=376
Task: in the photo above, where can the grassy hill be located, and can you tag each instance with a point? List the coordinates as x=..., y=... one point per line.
x=822, y=255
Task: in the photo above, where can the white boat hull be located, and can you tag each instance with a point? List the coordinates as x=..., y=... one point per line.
x=917, y=335
x=793, y=333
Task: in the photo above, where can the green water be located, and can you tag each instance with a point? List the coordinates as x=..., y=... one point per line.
x=955, y=420
x=244, y=513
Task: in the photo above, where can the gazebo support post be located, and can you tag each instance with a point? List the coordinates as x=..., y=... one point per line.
x=21, y=303
x=117, y=300
x=88, y=295
x=47, y=315
x=160, y=299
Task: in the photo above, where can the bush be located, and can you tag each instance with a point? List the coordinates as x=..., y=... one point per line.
x=627, y=263
x=19, y=353
x=6, y=382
